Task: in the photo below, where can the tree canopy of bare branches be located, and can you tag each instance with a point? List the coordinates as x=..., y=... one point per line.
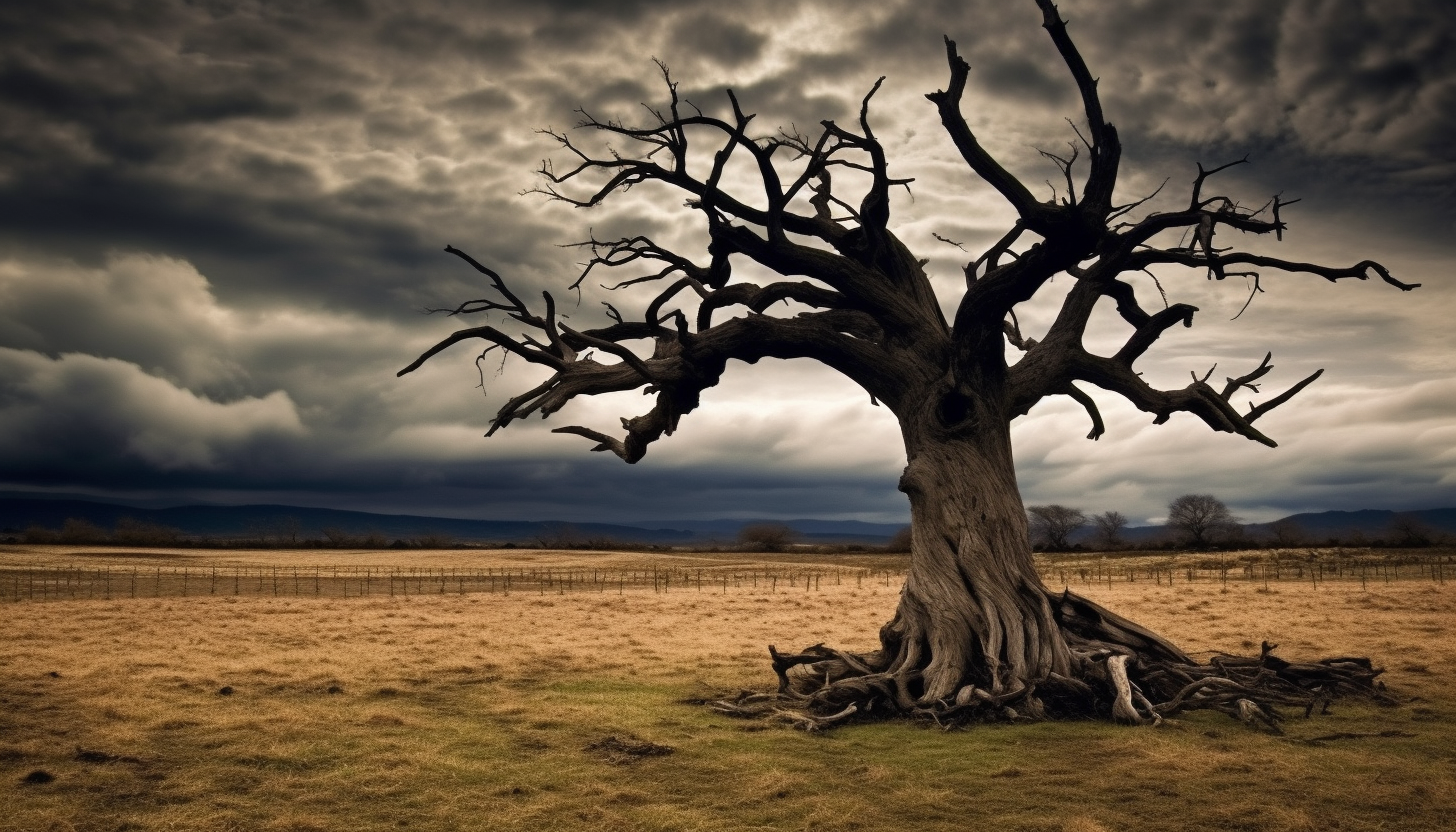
x=1109, y=526
x=1199, y=517
x=767, y=537
x=1051, y=525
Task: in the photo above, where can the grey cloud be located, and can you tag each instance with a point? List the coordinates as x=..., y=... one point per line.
x=152, y=312
x=421, y=36
x=1397, y=99
x=488, y=101
x=1354, y=79
x=1018, y=78
x=724, y=41
x=160, y=315
x=77, y=415
x=278, y=174
x=342, y=103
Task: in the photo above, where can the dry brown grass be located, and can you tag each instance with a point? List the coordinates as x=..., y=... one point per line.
x=477, y=711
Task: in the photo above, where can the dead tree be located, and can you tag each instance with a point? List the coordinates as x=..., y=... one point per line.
x=1199, y=517
x=976, y=633
x=1109, y=526
x=1052, y=525
x=767, y=537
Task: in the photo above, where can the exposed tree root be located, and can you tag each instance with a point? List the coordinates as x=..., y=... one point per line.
x=1120, y=672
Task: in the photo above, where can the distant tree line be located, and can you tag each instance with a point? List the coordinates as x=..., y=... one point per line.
x=1202, y=521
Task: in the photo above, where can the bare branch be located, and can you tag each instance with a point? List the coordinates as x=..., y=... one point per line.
x=495, y=279
x=1257, y=289
x=1194, y=204
x=948, y=102
x=1014, y=336
x=1152, y=327
x=947, y=240
x=615, y=349
x=1065, y=164
x=1248, y=380
x=1359, y=271
x=1091, y=406
x=1197, y=398
x=992, y=256
x=1259, y=410
x=489, y=333
x=1120, y=210
x=1105, y=148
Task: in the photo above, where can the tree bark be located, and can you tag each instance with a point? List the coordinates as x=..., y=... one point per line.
x=973, y=611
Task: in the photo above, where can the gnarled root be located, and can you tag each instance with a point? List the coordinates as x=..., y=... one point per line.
x=1121, y=672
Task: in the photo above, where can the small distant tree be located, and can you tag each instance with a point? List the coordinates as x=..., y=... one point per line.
x=561, y=536
x=1051, y=525
x=1408, y=529
x=434, y=540
x=1109, y=525
x=1199, y=517
x=766, y=537
x=80, y=530
x=1233, y=536
x=1286, y=534
x=900, y=542
x=141, y=533
x=338, y=538
x=287, y=530
x=39, y=534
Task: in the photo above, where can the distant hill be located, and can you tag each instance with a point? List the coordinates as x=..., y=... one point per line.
x=278, y=521
x=1369, y=522
x=19, y=512
x=274, y=521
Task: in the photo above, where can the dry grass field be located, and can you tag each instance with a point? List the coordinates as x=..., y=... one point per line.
x=451, y=711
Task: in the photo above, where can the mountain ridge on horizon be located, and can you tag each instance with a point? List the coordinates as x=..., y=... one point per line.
x=19, y=511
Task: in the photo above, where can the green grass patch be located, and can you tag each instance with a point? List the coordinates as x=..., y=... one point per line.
x=446, y=757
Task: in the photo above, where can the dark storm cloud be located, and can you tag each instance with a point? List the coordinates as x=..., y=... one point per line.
x=341, y=246
x=725, y=41
x=489, y=101
x=84, y=418
x=218, y=223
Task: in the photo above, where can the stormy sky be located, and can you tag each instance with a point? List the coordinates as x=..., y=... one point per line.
x=220, y=223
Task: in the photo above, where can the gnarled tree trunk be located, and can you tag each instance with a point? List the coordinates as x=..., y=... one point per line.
x=973, y=610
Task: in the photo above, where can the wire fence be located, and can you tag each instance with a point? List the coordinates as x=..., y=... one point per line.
x=1314, y=569
x=36, y=582
x=57, y=583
